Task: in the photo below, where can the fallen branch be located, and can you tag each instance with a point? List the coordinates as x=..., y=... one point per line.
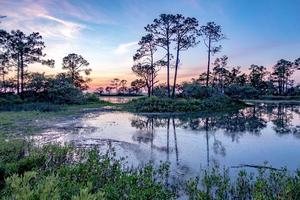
x=257, y=167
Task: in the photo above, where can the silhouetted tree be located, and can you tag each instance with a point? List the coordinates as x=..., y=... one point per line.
x=163, y=31
x=123, y=87
x=297, y=63
x=114, y=84
x=144, y=71
x=25, y=50
x=221, y=73
x=185, y=36
x=137, y=85
x=211, y=33
x=100, y=90
x=145, y=55
x=257, y=77
x=75, y=65
x=282, y=72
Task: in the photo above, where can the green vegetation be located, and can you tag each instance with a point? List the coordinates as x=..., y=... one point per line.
x=53, y=172
x=156, y=104
x=26, y=118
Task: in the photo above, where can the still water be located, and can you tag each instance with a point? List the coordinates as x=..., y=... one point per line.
x=255, y=135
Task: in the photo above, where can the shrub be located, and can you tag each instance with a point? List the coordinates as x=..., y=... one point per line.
x=195, y=90
x=155, y=104
x=241, y=92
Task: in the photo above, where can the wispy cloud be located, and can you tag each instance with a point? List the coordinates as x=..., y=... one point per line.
x=125, y=48
x=30, y=16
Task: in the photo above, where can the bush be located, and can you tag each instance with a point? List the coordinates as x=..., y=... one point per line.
x=91, y=98
x=241, y=92
x=53, y=172
x=195, y=90
x=155, y=104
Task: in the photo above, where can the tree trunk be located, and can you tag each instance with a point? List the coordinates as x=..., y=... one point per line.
x=22, y=74
x=176, y=68
x=152, y=73
x=168, y=63
x=149, y=91
x=208, y=62
x=18, y=75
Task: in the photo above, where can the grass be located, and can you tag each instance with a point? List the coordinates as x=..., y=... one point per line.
x=53, y=172
x=155, y=104
x=26, y=119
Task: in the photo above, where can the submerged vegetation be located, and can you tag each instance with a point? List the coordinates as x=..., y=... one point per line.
x=53, y=172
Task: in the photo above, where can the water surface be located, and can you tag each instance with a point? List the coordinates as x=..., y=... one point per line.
x=263, y=133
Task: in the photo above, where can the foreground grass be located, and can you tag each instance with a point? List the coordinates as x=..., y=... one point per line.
x=53, y=172
x=25, y=118
x=155, y=104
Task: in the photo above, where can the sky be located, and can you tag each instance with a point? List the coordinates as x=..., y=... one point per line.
x=106, y=32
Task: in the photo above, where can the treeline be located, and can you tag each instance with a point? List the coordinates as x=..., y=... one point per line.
x=169, y=35
x=17, y=51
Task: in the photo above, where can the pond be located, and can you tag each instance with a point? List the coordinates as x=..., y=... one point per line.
x=251, y=136
x=117, y=99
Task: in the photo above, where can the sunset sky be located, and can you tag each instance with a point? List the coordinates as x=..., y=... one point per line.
x=106, y=32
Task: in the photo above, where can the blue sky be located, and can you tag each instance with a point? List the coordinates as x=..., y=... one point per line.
x=105, y=32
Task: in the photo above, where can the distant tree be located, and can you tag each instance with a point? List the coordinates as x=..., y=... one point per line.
x=123, y=87
x=137, y=85
x=185, y=36
x=145, y=55
x=163, y=31
x=100, y=90
x=283, y=70
x=221, y=74
x=211, y=33
x=75, y=64
x=297, y=64
x=234, y=75
x=108, y=89
x=37, y=82
x=4, y=68
x=257, y=77
x=25, y=50
x=114, y=84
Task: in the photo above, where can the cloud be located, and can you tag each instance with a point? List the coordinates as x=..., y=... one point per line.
x=125, y=48
x=33, y=16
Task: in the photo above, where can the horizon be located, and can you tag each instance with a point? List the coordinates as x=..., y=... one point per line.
x=106, y=34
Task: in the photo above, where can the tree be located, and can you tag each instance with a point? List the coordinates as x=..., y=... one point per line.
x=123, y=88
x=4, y=68
x=25, y=50
x=100, y=90
x=297, y=63
x=185, y=36
x=115, y=83
x=211, y=33
x=144, y=71
x=137, y=85
x=145, y=55
x=281, y=74
x=163, y=30
x=75, y=65
x=257, y=77
x=221, y=73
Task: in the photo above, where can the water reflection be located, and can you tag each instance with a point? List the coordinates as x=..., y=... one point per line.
x=264, y=132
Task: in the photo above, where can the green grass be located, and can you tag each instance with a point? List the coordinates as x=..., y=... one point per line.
x=14, y=123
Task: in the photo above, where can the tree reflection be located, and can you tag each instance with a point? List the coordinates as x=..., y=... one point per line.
x=234, y=125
